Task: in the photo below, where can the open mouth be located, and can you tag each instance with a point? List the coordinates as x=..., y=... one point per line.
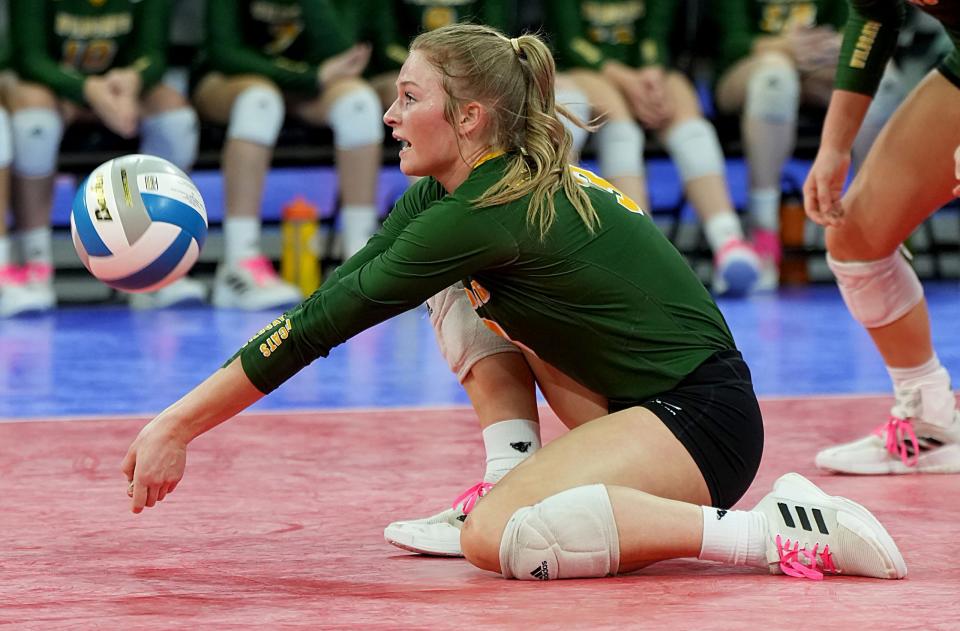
x=404, y=143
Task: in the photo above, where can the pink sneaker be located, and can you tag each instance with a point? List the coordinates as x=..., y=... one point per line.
x=767, y=245
x=252, y=285
x=26, y=289
x=735, y=269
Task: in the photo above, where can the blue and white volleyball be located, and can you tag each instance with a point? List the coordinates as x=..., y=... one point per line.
x=138, y=223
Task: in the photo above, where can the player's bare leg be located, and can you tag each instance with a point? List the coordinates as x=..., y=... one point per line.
x=907, y=176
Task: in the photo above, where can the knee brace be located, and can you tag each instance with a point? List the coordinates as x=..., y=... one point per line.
x=37, y=132
x=572, y=534
x=879, y=292
x=773, y=94
x=356, y=119
x=620, y=149
x=463, y=338
x=6, y=142
x=578, y=104
x=173, y=135
x=695, y=149
x=257, y=116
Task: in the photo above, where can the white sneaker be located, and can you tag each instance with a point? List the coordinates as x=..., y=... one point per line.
x=812, y=534
x=905, y=443
x=186, y=291
x=437, y=535
x=27, y=289
x=252, y=285
x=735, y=269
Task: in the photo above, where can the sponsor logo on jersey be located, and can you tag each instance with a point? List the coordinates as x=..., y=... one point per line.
x=112, y=25
x=608, y=14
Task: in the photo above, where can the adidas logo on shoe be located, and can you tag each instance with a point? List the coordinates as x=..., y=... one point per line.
x=802, y=516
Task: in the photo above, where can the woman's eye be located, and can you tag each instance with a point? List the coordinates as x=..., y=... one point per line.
x=408, y=97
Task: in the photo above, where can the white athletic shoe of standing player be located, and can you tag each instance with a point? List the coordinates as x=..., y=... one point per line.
x=437, y=535
x=905, y=443
x=812, y=534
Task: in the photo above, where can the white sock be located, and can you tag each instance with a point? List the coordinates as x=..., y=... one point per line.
x=241, y=238
x=508, y=443
x=721, y=229
x=37, y=245
x=937, y=401
x=357, y=225
x=4, y=251
x=906, y=377
x=734, y=537
x=764, y=206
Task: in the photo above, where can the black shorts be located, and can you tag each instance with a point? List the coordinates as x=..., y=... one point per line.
x=714, y=413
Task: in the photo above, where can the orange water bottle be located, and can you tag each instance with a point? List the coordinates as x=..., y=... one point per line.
x=300, y=257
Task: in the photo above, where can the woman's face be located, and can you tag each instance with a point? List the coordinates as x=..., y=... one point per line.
x=416, y=117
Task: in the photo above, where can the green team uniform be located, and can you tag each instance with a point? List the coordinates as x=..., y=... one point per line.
x=390, y=25
x=871, y=37
x=61, y=42
x=743, y=21
x=283, y=40
x=619, y=310
x=587, y=33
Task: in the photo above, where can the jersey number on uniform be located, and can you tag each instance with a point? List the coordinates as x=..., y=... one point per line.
x=89, y=56
x=589, y=179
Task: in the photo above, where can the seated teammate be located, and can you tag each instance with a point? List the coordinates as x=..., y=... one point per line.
x=95, y=61
x=261, y=60
x=631, y=350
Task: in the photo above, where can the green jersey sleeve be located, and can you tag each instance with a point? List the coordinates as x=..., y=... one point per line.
x=572, y=46
x=153, y=28
x=420, y=251
x=868, y=43
x=232, y=49
x=375, y=21
x=655, y=37
x=736, y=34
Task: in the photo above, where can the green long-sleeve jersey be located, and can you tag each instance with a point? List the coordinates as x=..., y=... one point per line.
x=871, y=37
x=587, y=33
x=743, y=21
x=390, y=25
x=58, y=43
x=619, y=310
x=284, y=40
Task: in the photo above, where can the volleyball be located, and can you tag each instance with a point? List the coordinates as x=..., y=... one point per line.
x=138, y=223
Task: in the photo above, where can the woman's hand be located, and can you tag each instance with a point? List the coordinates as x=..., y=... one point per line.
x=824, y=186
x=956, y=161
x=154, y=464
x=347, y=65
x=118, y=111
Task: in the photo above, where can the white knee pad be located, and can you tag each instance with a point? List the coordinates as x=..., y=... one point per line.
x=37, y=132
x=578, y=104
x=462, y=336
x=356, y=119
x=773, y=94
x=6, y=142
x=173, y=135
x=879, y=292
x=572, y=534
x=257, y=116
x=695, y=149
x=620, y=149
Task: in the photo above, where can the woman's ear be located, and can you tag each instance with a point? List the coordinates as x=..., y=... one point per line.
x=472, y=118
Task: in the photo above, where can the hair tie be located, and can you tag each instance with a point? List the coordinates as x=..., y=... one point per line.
x=516, y=46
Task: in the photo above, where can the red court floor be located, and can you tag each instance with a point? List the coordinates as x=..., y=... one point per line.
x=278, y=523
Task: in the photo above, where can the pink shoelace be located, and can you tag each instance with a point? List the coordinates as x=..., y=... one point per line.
x=261, y=268
x=470, y=497
x=12, y=275
x=896, y=433
x=791, y=563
